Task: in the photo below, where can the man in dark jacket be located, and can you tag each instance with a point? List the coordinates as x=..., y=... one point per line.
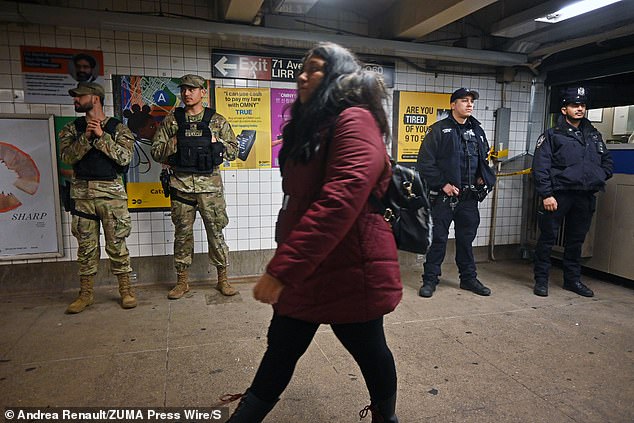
x=453, y=161
x=570, y=165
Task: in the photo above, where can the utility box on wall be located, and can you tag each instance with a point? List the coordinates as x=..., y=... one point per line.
x=502, y=128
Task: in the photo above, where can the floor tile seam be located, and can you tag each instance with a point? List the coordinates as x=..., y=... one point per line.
x=87, y=357
x=326, y=357
x=121, y=353
x=519, y=310
x=167, y=352
x=219, y=342
x=24, y=333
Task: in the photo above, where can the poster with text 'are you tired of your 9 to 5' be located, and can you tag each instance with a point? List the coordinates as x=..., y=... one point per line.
x=415, y=113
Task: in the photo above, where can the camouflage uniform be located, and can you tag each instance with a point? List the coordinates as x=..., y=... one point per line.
x=104, y=199
x=206, y=190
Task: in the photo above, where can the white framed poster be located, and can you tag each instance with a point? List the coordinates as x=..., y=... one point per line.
x=30, y=213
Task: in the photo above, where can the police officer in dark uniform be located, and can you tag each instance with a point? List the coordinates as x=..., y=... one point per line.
x=570, y=165
x=453, y=161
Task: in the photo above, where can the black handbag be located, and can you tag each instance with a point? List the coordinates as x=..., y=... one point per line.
x=407, y=208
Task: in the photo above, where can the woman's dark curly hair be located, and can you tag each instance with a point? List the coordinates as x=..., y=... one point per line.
x=345, y=84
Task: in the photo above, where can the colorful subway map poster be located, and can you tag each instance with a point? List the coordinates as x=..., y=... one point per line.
x=142, y=102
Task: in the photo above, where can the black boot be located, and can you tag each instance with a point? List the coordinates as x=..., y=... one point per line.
x=578, y=288
x=251, y=409
x=541, y=289
x=475, y=286
x=382, y=412
x=428, y=288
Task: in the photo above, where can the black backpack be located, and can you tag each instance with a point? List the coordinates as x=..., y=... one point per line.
x=407, y=208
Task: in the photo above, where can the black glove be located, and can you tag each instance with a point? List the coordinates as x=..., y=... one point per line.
x=165, y=181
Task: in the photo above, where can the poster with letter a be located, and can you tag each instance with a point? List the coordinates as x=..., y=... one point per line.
x=30, y=214
x=143, y=102
x=416, y=112
x=248, y=110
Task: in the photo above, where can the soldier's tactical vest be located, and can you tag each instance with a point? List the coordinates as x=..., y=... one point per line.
x=195, y=153
x=95, y=165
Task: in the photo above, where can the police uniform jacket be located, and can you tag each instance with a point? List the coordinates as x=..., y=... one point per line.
x=335, y=255
x=439, y=154
x=569, y=158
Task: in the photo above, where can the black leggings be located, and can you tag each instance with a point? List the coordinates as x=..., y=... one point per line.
x=289, y=338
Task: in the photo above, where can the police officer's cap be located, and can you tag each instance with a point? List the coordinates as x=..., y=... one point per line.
x=574, y=95
x=462, y=93
x=84, y=88
x=193, y=81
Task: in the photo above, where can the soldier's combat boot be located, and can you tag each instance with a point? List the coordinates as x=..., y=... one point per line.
x=128, y=299
x=86, y=296
x=223, y=286
x=182, y=286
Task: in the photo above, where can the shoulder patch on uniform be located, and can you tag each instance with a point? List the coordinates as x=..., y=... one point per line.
x=540, y=140
x=446, y=130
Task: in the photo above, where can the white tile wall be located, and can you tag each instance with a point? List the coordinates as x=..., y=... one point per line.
x=253, y=197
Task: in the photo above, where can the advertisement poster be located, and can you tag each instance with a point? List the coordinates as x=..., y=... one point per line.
x=281, y=100
x=50, y=72
x=142, y=102
x=64, y=171
x=248, y=110
x=415, y=113
x=30, y=220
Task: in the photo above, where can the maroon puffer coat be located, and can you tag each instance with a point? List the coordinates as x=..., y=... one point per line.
x=337, y=258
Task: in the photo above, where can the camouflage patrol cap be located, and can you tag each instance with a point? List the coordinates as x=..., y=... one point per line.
x=85, y=88
x=194, y=81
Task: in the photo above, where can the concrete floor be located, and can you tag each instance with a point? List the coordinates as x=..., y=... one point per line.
x=511, y=357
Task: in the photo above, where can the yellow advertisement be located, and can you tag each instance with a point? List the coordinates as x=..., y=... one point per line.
x=416, y=112
x=248, y=110
x=147, y=195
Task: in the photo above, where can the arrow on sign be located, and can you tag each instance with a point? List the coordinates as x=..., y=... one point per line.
x=222, y=65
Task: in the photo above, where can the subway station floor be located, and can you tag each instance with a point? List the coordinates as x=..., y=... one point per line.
x=510, y=357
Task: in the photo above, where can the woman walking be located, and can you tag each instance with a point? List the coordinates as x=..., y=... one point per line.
x=336, y=260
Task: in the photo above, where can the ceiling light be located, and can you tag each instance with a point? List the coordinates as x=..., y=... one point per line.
x=575, y=9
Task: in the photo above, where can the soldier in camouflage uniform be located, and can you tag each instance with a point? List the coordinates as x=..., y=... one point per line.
x=99, y=149
x=193, y=141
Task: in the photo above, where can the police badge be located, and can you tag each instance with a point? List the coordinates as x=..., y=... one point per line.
x=540, y=141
